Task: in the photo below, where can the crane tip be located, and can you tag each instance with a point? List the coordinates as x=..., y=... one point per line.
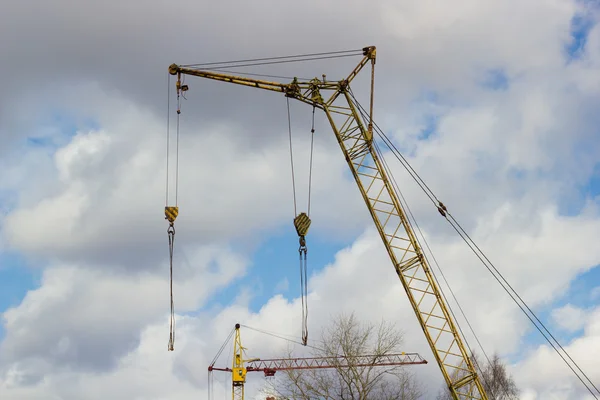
x=173, y=69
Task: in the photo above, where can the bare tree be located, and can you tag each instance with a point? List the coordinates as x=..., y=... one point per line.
x=347, y=337
x=497, y=382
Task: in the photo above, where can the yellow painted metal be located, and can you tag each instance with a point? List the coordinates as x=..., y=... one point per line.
x=238, y=370
x=171, y=213
x=356, y=143
x=302, y=223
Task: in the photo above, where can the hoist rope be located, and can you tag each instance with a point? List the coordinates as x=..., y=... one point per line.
x=171, y=234
x=303, y=250
x=517, y=299
x=312, y=145
x=405, y=205
x=171, y=228
x=168, y=135
x=169, y=145
x=177, y=153
x=304, y=289
x=302, y=222
x=291, y=155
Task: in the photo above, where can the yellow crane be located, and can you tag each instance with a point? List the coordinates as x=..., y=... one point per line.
x=240, y=366
x=352, y=125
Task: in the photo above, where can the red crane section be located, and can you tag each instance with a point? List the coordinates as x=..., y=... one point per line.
x=271, y=366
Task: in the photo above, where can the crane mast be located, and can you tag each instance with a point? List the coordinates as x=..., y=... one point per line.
x=356, y=142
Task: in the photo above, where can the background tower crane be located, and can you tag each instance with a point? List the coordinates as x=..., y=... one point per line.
x=269, y=367
x=352, y=125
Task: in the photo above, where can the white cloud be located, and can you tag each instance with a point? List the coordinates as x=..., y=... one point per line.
x=569, y=318
x=548, y=377
x=91, y=318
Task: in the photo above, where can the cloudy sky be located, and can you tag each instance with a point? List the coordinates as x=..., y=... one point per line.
x=495, y=104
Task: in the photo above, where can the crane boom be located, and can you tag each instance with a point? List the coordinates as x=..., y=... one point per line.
x=270, y=366
x=356, y=143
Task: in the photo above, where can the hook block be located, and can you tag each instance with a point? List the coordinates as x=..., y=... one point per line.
x=302, y=223
x=171, y=213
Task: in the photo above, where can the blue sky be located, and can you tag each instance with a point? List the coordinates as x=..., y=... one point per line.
x=16, y=278
x=275, y=261
x=580, y=27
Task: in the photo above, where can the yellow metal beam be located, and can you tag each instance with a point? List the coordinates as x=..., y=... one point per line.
x=238, y=369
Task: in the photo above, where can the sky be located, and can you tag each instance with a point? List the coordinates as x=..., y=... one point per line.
x=494, y=103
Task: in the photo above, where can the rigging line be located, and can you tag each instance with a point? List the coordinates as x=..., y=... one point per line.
x=291, y=155
x=312, y=141
x=282, y=337
x=277, y=62
x=275, y=58
x=434, y=198
x=516, y=302
x=534, y=315
x=519, y=297
x=256, y=74
x=416, y=176
x=407, y=166
x=168, y=135
x=177, y=154
x=405, y=162
x=399, y=156
x=222, y=347
x=527, y=315
x=360, y=107
x=396, y=188
x=404, y=203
